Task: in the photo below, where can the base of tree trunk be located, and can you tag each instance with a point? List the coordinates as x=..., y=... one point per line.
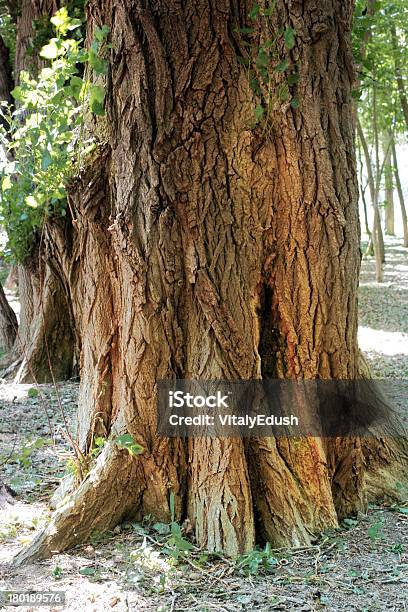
x=102, y=500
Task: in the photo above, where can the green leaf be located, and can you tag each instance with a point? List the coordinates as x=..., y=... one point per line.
x=125, y=440
x=6, y=183
x=46, y=160
x=76, y=86
x=98, y=65
x=268, y=11
x=74, y=24
x=293, y=78
x=57, y=572
x=254, y=12
x=33, y=392
x=259, y=113
x=283, y=65
x=262, y=60
x=294, y=103
x=162, y=528
x=97, y=98
x=31, y=201
x=17, y=93
x=101, y=33
x=61, y=18
x=289, y=38
x=49, y=51
x=349, y=522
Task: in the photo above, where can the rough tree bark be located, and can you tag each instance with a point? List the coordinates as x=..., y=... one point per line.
x=8, y=323
x=203, y=248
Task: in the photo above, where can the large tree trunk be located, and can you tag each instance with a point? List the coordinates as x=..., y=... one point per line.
x=205, y=248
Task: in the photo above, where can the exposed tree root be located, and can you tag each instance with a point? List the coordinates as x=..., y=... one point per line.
x=101, y=501
x=287, y=512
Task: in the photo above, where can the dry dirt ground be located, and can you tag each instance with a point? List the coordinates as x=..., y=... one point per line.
x=361, y=566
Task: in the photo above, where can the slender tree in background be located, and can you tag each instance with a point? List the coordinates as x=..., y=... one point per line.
x=374, y=181
x=400, y=194
x=204, y=246
x=388, y=185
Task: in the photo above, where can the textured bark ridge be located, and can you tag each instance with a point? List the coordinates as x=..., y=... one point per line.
x=202, y=247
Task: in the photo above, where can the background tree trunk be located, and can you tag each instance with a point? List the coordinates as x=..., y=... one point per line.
x=46, y=340
x=400, y=195
x=377, y=235
x=389, y=186
x=8, y=323
x=399, y=75
x=6, y=80
x=206, y=250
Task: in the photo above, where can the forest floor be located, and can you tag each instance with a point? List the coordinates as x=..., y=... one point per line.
x=361, y=566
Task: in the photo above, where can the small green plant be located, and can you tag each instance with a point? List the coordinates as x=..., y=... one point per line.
x=176, y=544
x=45, y=141
x=98, y=445
x=257, y=560
x=79, y=465
x=349, y=523
x=127, y=442
x=57, y=572
x=396, y=548
x=375, y=531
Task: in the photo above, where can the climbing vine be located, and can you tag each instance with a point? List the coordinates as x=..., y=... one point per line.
x=267, y=60
x=45, y=141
